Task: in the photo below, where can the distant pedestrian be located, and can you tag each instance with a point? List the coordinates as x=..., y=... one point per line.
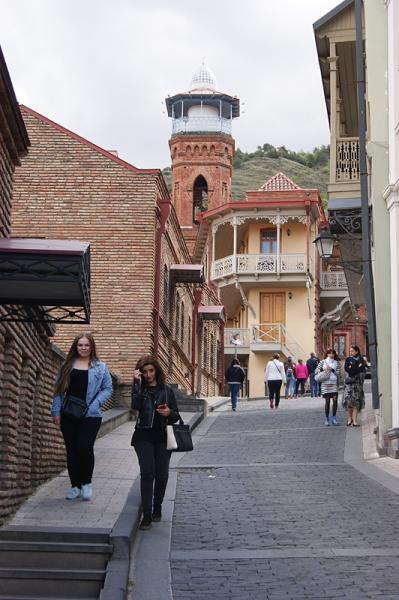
x=301, y=375
x=275, y=377
x=235, y=376
x=156, y=405
x=355, y=369
x=83, y=377
x=328, y=373
x=311, y=364
x=289, y=367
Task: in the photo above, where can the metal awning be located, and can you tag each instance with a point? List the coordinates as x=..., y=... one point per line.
x=187, y=273
x=44, y=280
x=212, y=313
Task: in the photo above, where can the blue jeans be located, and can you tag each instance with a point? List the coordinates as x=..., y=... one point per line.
x=234, y=390
x=314, y=386
x=290, y=386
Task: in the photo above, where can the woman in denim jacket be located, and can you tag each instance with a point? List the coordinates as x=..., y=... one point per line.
x=83, y=376
x=156, y=405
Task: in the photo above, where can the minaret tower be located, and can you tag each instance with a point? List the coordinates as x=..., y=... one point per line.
x=201, y=148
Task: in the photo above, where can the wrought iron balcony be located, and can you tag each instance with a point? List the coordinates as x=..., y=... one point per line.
x=255, y=264
x=194, y=124
x=334, y=280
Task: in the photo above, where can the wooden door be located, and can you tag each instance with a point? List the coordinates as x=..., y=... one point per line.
x=272, y=314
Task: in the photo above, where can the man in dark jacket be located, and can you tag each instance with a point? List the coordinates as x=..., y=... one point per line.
x=311, y=364
x=235, y=376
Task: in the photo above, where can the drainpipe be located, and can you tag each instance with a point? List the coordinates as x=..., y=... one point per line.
x=222, y=358
x=164, y=206
x=366, y=243
x=195, y=337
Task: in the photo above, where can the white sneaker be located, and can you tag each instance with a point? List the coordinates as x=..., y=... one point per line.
x=87, y=491
x=73, y=493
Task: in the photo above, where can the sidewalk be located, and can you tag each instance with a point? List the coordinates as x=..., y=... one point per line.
x=116, y=469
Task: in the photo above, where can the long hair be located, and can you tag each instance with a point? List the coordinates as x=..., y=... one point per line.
x=356, y=349
x=64, y=378
x=331, y=351
x=159, y=374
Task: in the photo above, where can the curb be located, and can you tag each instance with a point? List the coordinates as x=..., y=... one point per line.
x=123, y=535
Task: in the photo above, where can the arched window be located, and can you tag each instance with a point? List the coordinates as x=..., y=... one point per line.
x=200, y=196
x=177, y=318
x=182, y=326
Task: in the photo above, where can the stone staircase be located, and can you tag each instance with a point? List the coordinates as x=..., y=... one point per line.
x=52, y=564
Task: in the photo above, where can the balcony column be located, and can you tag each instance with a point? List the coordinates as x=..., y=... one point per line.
x=332, y=59
x=278, y=223
x=234, y=245
x=308, y=241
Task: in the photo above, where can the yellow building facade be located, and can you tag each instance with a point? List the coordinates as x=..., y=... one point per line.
x=262, y=262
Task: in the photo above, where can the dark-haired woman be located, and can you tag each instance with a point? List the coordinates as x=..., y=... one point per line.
x=355, y=367
x=83, y=376
x=330, y=368
x=156, y=405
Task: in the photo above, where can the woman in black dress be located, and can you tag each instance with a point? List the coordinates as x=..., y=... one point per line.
x=355, y=368
x=156, y=405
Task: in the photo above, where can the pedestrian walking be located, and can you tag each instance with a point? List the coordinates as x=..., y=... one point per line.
x=328, y=374
x=156, y=405
x=301, y=375
x=83, y=379
x=274, y=377
x=355, y=368
x=311, y=364
x=289, y=368
x=235, y=376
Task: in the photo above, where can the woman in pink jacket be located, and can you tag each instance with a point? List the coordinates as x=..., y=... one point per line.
x=301, y=375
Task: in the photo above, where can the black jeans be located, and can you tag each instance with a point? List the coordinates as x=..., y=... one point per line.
x=300, y=383
x=334, y=398
x=154, y=461
x=274, y=390
x=79, y=437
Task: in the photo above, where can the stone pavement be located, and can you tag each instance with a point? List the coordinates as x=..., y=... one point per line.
x=273, y=505
x=115, y=470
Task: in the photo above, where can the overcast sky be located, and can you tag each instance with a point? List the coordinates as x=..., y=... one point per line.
x=102, y=68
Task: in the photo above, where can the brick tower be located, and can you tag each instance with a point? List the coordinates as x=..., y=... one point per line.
x=201, y=148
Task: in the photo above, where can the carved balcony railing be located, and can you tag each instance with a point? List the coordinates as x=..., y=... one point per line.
x=347, y=165
x=333, y=281
x=257, y=264
x=236, y=337
x=275, y=335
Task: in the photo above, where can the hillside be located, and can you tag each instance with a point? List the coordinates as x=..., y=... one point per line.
x=250, y=171
x=253, y=173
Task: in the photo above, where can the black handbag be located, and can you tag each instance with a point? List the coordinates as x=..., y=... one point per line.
x=74, y=408
x=182, y=435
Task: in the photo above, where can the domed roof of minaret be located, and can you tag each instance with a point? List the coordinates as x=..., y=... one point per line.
x=203, y=79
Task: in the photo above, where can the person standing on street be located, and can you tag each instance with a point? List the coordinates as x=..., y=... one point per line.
x=275, y=377
x=235, y=376
x=311, y=364
x=301, y=375
x=328, y=370
x=85, y=377
x=355, y=368
x=156, y=405
x=289, y=368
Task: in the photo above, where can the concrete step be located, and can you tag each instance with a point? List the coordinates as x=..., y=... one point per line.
x=55, y=534
x=113, y=418
x=50, y=583
x=36, y=555
x=30, y=597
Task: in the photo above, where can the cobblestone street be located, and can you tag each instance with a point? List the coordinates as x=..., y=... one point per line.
x=268, y=507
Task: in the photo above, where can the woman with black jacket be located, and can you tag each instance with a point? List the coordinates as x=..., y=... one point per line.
x=156, y=405
x=355, y=368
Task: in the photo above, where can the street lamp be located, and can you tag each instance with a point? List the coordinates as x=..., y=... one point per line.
x=325, y=243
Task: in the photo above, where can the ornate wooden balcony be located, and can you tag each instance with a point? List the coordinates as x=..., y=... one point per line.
x=256, y=264
x=334, y=280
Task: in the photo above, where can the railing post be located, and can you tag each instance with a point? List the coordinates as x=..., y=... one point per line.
x=278, y=245
x=234, y=245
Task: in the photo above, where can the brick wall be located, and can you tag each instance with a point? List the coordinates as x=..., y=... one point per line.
x=31, y=447
x=66, y=189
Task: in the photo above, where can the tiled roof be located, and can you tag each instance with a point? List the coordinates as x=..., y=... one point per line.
x=279, y=182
